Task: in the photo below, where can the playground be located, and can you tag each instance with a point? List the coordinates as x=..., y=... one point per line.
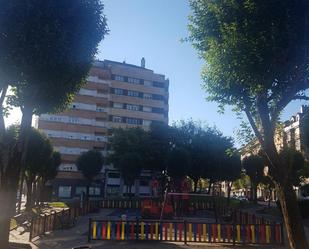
x=77, y=236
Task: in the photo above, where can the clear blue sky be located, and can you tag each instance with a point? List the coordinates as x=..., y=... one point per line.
x=153, y=29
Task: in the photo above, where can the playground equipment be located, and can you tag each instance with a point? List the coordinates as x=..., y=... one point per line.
x=152, y=208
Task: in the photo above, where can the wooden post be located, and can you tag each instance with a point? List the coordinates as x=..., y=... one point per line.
x=137, y=229
x=282, y=234
x=31, y=228
x=185, y=231
x=44, y=225
x=89, y=230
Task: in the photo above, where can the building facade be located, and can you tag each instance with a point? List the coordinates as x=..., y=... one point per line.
x=117, y=95
x=289, y=135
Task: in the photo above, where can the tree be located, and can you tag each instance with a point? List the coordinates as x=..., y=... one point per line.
x=39, y=153
x=257, y=61
x=296, y=163
x=254, y=167
x=130, y=153
x=178, y=162
x=48, y=173
x=90, y=163
x=43, y=45
x=230, y=171
x=130, y=165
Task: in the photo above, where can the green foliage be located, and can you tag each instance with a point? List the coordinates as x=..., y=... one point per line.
x=250, y=47
x=254, y=167
x=130, y=152
x=57, y=204
x=39, y=153
x=130, y=165
x=255, y=53
x=90, y=163
x=178, y=162
x=48, y=45
x=51, y=169
x=187, y=148
x=242, y=182
x=295, y=161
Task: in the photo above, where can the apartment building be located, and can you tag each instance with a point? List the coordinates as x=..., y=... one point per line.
x=117, y=95
x=290, y=135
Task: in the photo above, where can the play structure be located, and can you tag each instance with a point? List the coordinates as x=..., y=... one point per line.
x=176, y=205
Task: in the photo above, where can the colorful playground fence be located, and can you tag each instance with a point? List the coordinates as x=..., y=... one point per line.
x=183, y=231
x=121, y=203
x=195, y=204
x=242, y=217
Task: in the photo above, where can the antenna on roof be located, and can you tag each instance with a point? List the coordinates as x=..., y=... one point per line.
x=143, y=62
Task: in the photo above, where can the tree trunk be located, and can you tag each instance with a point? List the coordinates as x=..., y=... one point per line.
x=292, y=217
x=229, y=188
x=255, y=193
x=2, y=97
x=29, y=195
x=34, y=194
x=209, y=187
x=10, y=177
x=7, y=198
x=20, y=193
x=195, y=185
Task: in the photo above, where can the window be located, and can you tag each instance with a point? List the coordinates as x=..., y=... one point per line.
x=98, y=148
x=112, y=190
x=79, y=190
x=147, y=96
x=101, y=91
x=133, y=93
x=99, y=133
x=73, y=120
x=144, y=182
x=133, y=107
x=133, y=121
x=147, y=122
x=158, y=97
x=118, y=91
x=117, y=119
x=133, y=81
x=157, y=110
x=117, y=105
x=147, y=109
x=147, y=83
x=67, y=168
x=113, y=175
x=158, y=84
x=119, y=78
x=94, y=191
x=100, y=119
x=100, y=109
x=64, y=191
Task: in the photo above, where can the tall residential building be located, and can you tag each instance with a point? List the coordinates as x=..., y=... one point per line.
x=116, y=95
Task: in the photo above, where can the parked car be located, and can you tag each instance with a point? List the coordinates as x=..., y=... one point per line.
x=242, y=198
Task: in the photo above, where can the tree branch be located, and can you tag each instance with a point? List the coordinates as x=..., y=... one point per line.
x=252, y=122
x=2, y=97
x=301, y=97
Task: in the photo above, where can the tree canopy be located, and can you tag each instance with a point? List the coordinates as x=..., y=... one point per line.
x=48, y=45
x=256, y=55
x=184, y=149
x=90, y=163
